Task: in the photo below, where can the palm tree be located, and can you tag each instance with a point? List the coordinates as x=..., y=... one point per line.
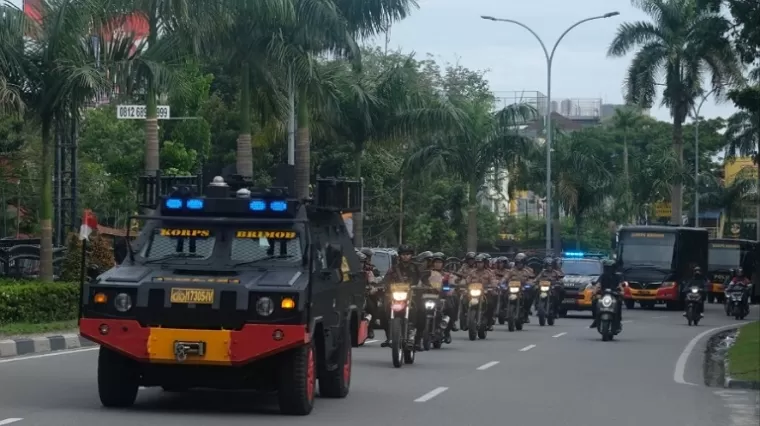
x=485, y=140
x=625, y=120
x=676, y=49
x=728, y=198
x=11, y=52
x=62, y=73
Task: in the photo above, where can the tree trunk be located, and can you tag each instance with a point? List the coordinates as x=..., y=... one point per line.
x=244, y=157
x=359, y=216
x=676, y=189
x=303, y=148
x=46, y=207
x=757, y=199
x=472, y=218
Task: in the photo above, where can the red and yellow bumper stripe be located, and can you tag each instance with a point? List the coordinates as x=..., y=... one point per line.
x=223, y=347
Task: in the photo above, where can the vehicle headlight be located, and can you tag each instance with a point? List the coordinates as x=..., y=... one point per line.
x=514, y=290
x=476, y=293
x=544, y=288
x=430, y=305
x=694, y=290
x=264, y=306
x=607, y=301
x=122, y=302
x=400, y=295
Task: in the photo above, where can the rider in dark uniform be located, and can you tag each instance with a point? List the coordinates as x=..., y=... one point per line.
x=611, y=280
x=406, y=270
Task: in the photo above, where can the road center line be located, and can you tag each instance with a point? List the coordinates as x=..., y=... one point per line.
x=366, y=342
x=560, y=334
x=432, y=394
x=527, y=348
x=660, y=317
x=626, y=322
x=678, y=374
x=487, y=365
x=9, y=421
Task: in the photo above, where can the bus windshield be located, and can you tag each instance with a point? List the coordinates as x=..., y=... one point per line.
x=724, y=256
x=647, y=249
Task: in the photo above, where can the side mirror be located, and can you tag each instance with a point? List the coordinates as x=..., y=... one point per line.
x=334, y=256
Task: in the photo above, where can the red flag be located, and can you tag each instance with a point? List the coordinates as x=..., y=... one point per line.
x=89, y=224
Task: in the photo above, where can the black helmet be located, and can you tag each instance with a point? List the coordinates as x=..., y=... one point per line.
x=548, y=261
x=405, y=249
x=367, y=252
x=469, y=255
x=425, y=255
x=438, y=256
x=480, y=258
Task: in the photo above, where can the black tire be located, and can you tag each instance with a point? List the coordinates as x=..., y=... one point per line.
x=118, y=379
x=519, y=324
x=541, y=319
x=472, y=329
x=437, y=344
x=696, y=321
x=502, y=319
x=630, y=303
x=550, y=320
x=337, y=383
x=297, y=381
x=409, y=355
x=605, y=327
x=397, y=346
x=426, y=340
x=463, y=318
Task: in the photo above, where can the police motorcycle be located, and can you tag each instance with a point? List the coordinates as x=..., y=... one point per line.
x=436, y=331
x=737, y=301
x=545, y=303
x=693, y=304
x=529, y=296
x=515, y=314
x=477, y=322
x=501, y=302
x=607, y=308
x=402, y=337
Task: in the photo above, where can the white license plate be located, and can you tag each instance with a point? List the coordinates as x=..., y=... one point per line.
x=569, y=301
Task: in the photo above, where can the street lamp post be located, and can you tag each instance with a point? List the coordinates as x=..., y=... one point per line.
x=549, y=59
x=695, y=111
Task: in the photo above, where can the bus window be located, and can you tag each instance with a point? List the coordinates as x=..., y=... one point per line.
x=647, y=248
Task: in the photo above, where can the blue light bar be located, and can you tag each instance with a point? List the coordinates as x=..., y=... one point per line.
x=173, y=203
x=575, y=254
x=278, y=206
x=194, y=204
x=257, y=205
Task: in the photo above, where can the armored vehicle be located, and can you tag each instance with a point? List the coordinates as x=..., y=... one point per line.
x=231, y=287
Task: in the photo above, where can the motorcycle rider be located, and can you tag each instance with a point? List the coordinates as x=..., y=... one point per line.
x=611, y=280
x=403, y=271
x=698, y=280
x=551, y=273
x=371, y=308
x=501, y=267
x=425, y=259
x=483, y=275
x=520, y=273
x=738, y=282
x=557, y=264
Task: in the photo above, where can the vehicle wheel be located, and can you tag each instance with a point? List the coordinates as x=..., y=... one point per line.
x=696, y=321
x=437, y=344
x=511, y=325
x=336, y=383
x=550, y=320
x=502, y=319
x=519, y=325
x=397, y=347
x=630, y=304
x=690, y=315
x=297, y=381
x=541, y=319
x=409, y=355
x=118, y=379
x=473, y=325
x=463, y=319
x=426, y=341
x=482, y=333
x=605, y=330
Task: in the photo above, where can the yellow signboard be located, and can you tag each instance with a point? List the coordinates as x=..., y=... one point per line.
x=733, y=168
x=662, y=209
x=284, y=235
x=197, y=233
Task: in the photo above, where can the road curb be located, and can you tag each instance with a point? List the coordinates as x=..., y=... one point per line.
x=35, y=345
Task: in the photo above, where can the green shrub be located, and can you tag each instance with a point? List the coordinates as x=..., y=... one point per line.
x=38, y=302
x=99, y=254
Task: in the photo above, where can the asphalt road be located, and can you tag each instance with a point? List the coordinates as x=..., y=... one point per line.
x=560, y=375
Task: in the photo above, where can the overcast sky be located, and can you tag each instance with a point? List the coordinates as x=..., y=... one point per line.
x=452, y=31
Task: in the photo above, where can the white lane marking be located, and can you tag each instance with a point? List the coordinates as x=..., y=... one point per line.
x=527, y=348
x=560, y=334
x=9, y=421
x=678, y=373
x=366, y=342
x=57, y=353
x=660, y=317
x=432, y=394
x=626, y=322
x=487, y=365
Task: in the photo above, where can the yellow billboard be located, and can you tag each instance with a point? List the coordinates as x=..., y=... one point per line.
x=733, y=167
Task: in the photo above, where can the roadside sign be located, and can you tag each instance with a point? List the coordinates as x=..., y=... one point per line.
x=662, y=209
x=137, y=112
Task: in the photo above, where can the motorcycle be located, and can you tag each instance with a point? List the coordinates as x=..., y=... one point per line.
x=501, y=303
x=402, y=339
x=514, y=314
x=607, y=307
x=529, y=296
x=736, y=304
x=693, y=305
x=436, y=323
x=545, y=305
x=477, y=323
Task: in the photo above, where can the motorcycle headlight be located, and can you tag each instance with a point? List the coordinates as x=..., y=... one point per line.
x=544, y=288
x=514, y=290
x=400, y=295
x=607, y=301
x=476, y=293
x=430, y=305
x=695, y=290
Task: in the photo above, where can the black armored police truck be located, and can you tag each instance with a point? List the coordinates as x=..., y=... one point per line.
x=232, y=287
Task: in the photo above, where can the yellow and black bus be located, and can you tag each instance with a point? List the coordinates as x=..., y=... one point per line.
x=724, y=256
x=657, y=261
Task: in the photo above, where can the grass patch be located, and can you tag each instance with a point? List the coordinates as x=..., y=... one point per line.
x=744, y=355
x=16, y=329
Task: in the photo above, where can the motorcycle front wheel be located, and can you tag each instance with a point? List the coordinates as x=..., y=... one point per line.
x=472, y=324
x=397, y=346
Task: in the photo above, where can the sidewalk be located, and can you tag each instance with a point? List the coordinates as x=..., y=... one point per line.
x=11, y=346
